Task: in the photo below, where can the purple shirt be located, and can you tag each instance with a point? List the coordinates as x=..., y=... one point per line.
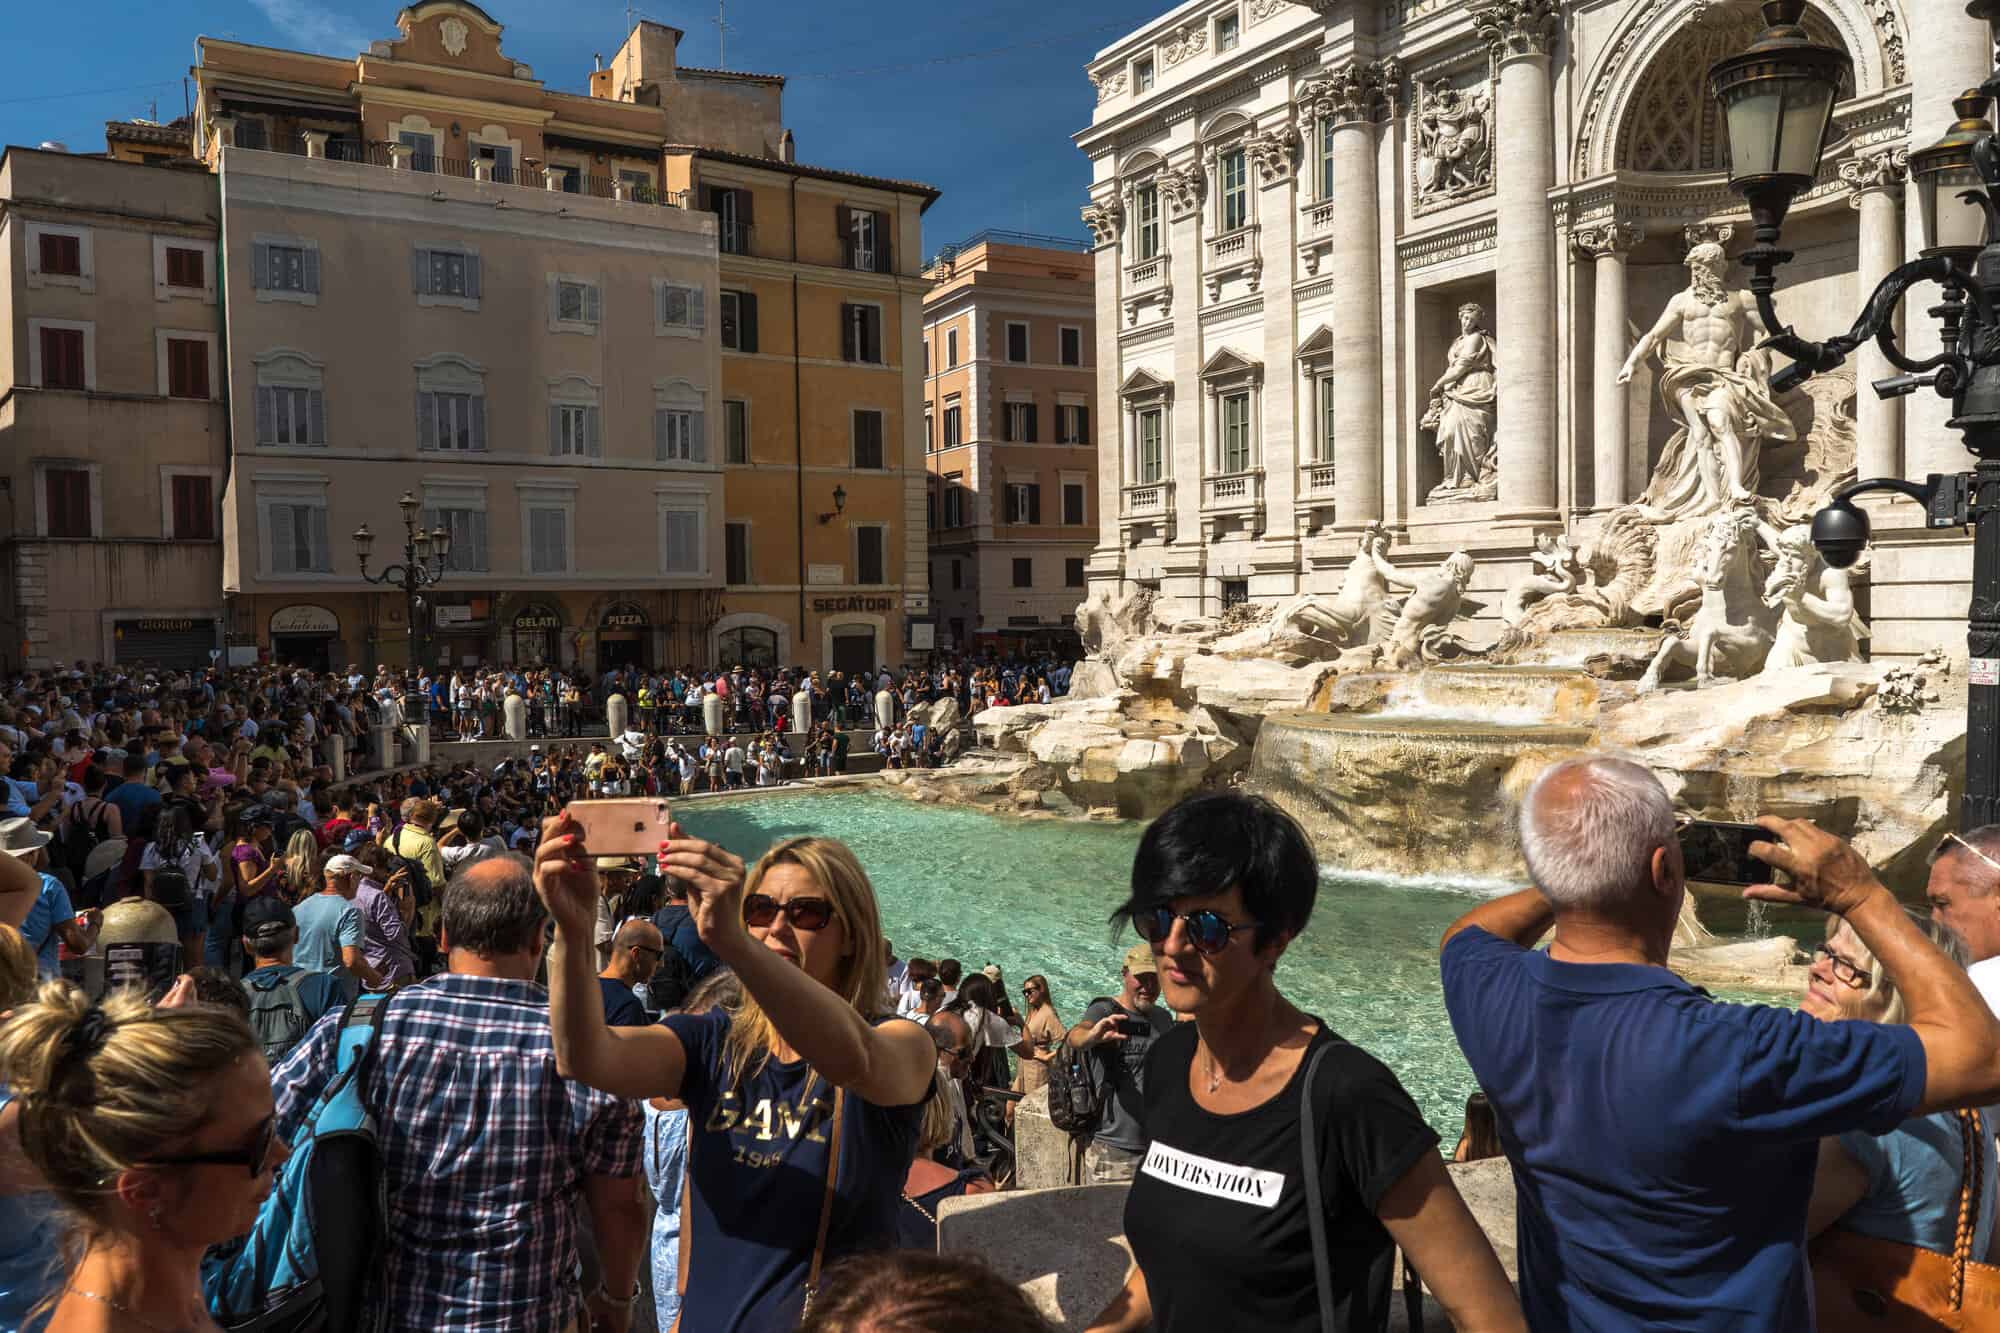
x=385, y=940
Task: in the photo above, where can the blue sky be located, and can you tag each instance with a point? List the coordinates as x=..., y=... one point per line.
x=877, y=85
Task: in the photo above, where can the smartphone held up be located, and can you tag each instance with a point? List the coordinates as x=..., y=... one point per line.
x=628, y=827
x=1719, y=853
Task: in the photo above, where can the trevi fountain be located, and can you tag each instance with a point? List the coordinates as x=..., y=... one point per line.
x=1520, y=486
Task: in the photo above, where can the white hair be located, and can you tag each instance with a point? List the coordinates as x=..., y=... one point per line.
x=1588, y=830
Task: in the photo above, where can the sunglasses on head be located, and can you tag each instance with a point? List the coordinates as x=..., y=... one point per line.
x=1208, y=931
x=254, y=1156
x=761, y=909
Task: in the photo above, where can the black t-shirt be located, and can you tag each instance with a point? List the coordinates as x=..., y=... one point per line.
x=1120, y=1069
x=1217, y=1214
x=621, y=1007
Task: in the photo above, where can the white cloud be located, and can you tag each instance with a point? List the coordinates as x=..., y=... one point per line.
x=312, y=26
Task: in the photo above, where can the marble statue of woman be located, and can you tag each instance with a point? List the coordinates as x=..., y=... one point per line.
x=1462, y=413
x=1717, y=381
x=1815, y=605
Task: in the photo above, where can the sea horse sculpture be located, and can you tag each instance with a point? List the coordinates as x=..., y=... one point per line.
x=1730, y=632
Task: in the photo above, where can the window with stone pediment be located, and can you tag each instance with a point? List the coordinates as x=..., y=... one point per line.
x=1674, y=124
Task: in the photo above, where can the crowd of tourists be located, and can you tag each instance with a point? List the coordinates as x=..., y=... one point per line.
x=679, y=1090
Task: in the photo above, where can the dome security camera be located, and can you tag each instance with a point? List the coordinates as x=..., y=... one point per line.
x=1840, y=531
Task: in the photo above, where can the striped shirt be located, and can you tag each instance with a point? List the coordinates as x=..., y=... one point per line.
x=485, y=1150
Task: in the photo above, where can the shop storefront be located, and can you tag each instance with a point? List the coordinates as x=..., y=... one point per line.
x=308, y=636
x=181, y=642
x=624, y=632
x=535, y=635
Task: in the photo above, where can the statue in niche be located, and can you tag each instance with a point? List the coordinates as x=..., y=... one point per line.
x=1716, y=380
x=1351, y=619
x=1454, y=142
x=1461, y=415
x=1729, y=633
x=1428, y=611
x=1555, y=571
x=1815, y=606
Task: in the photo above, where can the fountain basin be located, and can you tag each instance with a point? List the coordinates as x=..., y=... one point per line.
x=1609, y=654
x=1498, y=693
x=1408, y=795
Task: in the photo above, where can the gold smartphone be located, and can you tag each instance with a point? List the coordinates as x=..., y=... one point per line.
x=630, y=827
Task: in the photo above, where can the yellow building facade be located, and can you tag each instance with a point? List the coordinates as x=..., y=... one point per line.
x=1009, y=400
x=615, y=343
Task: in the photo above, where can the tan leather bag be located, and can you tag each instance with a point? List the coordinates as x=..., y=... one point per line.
x=1864, y=1285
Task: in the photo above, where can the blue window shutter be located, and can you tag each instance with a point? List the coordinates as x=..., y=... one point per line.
x=698, y=436
x=426, y=420
x=478, y=401
x=555, y=429
x=267, y=415
x=697, y=308
x=594, y=431
x=316, y=408
x=260, y=265
x=420, y=271
x=472, y=277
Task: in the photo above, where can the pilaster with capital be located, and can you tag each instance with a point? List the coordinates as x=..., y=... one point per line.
x=1519, y=34
x=1875, y=181
x=1350, y=97
x=1605, y=245
x=1106, y=219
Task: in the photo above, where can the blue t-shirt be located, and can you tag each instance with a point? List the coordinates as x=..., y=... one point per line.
x=30, y=1263
x=51, y=909
x=327, y=921
x=621, y=1007
x=1663, y=1144
x=757, y=1153
x=1914, y=1176
x=132, y=799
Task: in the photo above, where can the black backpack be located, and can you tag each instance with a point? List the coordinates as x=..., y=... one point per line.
x=1076, y=1094
x=76, y=840
x=670, y=985
x=171, y=889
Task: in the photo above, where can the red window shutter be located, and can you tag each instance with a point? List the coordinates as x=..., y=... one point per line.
x=187, y=368
x=194, y=509
x=68, y=502
x=62, y=358
x=184, y=267
x=62, y=254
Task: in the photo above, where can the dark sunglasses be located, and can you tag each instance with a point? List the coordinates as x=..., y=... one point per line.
x=647, y=948
x=1208, y=931
x=254, y=1157
x=761, y=909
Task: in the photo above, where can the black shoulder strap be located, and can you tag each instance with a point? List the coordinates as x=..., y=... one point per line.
x=1315, y=1205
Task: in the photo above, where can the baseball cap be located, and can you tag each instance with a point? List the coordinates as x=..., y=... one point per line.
x=991, y=972
x=258, y=814
x=1139, y=958
x=266, y=915
x=356, y=838
x=342, y=864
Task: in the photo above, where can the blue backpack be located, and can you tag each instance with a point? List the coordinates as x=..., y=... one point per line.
x=308, y=1263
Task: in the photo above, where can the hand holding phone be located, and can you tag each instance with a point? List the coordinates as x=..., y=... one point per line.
x=623, y=827
x=1719, y=853
x=1826, y=872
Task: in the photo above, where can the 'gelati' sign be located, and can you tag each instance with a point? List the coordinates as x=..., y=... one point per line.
x=537, y=617
x=304, y=619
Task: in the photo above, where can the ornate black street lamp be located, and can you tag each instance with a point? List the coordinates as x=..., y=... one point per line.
x=1777, y=101
x=424, y=558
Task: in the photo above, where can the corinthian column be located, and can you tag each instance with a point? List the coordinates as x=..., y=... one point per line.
x=1349, y=97
x=1877, y=184
x=1606, y=245
x=1519, y=34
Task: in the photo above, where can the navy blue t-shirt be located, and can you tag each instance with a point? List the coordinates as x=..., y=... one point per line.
x=621, y=1007
x=1663, y=1144
x=757, y=1157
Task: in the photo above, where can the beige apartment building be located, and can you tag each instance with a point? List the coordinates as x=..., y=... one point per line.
x=1009, y=400
x=654, y=375
x=113, y=427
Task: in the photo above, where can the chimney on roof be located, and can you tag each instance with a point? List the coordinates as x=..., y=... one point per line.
x=788, y=148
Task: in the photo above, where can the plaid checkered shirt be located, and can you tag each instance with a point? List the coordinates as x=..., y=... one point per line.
x=485, y=1150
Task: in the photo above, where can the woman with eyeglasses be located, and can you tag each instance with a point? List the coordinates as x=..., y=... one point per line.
x=1900, y=1189
x=804, y=1099
x=1220, y=1216
x=154, y=1128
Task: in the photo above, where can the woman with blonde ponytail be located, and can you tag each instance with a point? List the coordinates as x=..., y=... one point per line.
x=153, y=1130
x=804, y=1099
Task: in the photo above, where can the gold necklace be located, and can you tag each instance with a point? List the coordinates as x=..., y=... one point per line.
x=128, y=1312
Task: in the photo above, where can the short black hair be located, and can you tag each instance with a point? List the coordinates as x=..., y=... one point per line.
x=1209, y=843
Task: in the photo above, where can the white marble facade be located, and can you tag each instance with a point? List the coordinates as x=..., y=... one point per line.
x=1293, y=202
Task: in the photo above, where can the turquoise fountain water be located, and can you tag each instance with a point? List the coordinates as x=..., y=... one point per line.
x=1036, y=895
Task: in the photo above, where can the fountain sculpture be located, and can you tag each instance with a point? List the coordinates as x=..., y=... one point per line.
x=1399, y=726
